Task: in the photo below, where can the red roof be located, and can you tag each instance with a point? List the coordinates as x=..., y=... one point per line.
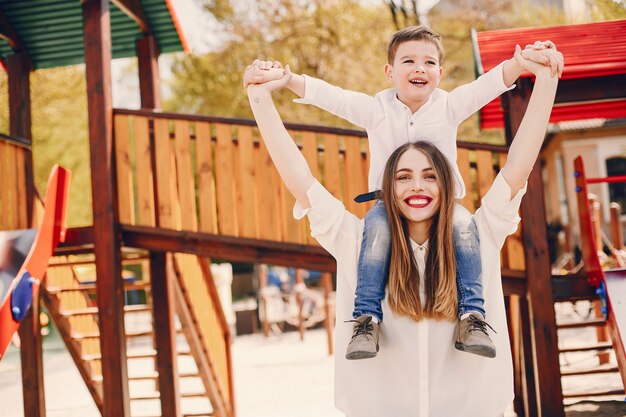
x=590, y=50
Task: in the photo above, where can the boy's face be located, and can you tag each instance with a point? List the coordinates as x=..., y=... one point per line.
x=415, y=72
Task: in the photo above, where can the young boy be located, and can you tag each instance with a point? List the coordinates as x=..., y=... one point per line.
x=415, y=108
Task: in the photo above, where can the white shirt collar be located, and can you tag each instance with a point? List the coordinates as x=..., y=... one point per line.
x=416, y=246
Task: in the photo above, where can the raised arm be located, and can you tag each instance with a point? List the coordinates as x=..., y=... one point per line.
x=527, y=142
x=289, y=161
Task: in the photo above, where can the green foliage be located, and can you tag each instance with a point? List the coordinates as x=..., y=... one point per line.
x=329, y=39
x=59, y=129
x=608, y=9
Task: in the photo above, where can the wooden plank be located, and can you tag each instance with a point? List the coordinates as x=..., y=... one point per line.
x=355, y=183
x=484, y=170
x=11, y=189
x=224, y=173
x=463, y=161
x=229, y=248
x=269, y=207
x=163, y=173
x=309, y=150
x=206, y=180
x=247, y=192
x=22, y=185
x=144, y=177
x=97, y=40
x=4, y=182
x=125, y=197
x=165, y=335
x=184, y=171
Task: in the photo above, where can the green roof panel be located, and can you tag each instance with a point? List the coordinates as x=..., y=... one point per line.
x=52, y=30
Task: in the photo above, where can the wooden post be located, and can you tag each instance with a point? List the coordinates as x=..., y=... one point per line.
x=31, y=353
x=97, y=32
x=527, y=364
x=327, y=284
x=265, y=324
x=164, y=334
x=299, y=289
x=149, y=82
x=18, y=69
x=617, y=235
x=538, y=270
x=513, y=320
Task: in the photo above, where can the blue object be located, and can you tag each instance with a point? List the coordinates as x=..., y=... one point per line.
x=601, y=292
x=22, y=296
x=578, y=189
x=576, y=174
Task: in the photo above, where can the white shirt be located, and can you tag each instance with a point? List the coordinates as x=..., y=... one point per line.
x=390, y=124
x=418, y=372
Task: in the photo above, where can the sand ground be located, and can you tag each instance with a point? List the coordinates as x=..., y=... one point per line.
x=279, y=376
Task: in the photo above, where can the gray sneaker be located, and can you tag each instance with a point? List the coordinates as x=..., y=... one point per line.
x=472, y=336
x=364, y=343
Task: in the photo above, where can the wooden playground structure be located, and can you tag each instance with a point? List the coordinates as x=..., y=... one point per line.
x=171, y=191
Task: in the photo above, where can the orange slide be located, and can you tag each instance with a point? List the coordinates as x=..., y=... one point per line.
x=23, y=288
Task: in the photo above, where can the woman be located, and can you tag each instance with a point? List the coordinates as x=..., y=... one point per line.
x=417, y=372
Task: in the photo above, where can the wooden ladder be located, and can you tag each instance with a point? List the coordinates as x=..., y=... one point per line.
x=70, y=299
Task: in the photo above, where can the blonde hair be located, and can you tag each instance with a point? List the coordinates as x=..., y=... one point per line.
x=404, y=279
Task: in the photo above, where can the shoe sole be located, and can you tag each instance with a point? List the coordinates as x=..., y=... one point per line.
x=361, y=355
x=476, y=350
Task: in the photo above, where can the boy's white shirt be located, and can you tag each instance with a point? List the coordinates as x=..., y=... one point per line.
x=390, y=124
x=418, y=372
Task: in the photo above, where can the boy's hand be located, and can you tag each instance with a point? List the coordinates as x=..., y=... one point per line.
x=260, y=72
x=544, y=53
x=272, y=84
x=554, y=57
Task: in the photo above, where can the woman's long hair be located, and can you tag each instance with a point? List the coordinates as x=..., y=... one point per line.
x=440, y=271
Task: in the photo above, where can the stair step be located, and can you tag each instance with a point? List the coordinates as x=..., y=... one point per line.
x=596, y=322
x=141, y=285
x=590, y=371
x=198, y=414
x=156, y=395
x=598, y=346
x=619, y=391
x=149, y=353
x=148, y=377
x=135, y=308
x=154, y=375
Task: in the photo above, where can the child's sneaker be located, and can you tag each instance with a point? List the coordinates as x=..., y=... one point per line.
x=364, y=343
x=472, y=336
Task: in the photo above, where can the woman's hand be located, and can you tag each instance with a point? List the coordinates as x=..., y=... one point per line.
x=555, y=66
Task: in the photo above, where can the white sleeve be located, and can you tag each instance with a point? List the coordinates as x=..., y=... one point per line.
x=332, y=225
x=357, y=108
x=467, y=99
x=498, y=214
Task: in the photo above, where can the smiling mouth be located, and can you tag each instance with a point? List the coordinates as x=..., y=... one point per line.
x=418, y=82
x=418, y=202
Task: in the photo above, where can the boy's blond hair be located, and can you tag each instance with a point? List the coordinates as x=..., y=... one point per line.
x=413, y=33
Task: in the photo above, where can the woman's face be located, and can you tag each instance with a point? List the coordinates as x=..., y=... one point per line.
x=416, y=187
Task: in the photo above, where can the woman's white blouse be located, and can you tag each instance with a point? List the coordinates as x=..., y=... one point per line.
x=418, y=372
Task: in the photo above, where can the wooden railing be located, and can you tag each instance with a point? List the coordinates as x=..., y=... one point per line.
x=214, y=175
x=13, y=197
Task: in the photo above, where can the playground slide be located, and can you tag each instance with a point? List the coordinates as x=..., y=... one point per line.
x=18, y=290
x=615, y=287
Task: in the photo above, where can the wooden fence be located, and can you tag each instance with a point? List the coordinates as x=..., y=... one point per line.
x=214, y=175
x=13, y=198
